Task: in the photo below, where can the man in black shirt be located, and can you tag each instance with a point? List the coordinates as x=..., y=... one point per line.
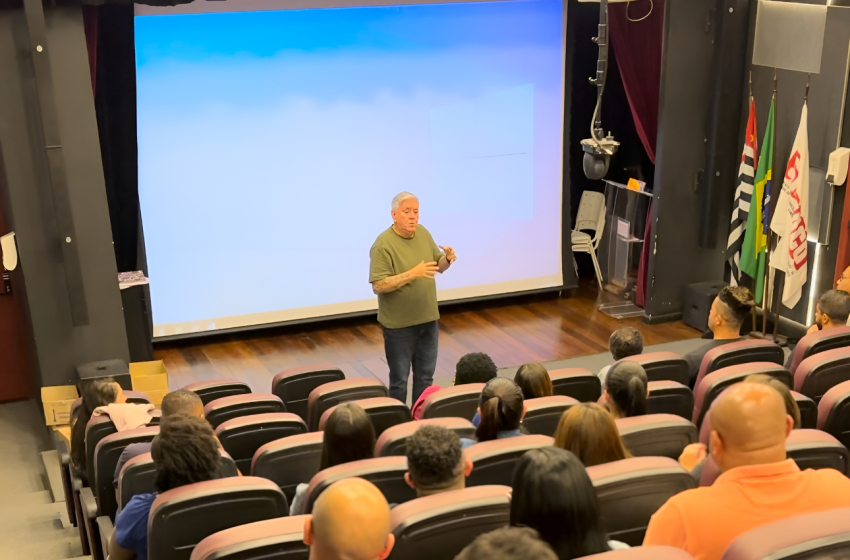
x=831, y=311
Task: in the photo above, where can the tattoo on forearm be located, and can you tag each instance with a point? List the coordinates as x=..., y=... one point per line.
x=391, y=283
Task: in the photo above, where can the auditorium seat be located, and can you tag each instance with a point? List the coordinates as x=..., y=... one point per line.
x=221, y=410
x=242, y=437
x=734, y=353
x=384, y=412
x=657, y=435
x=663, y=366
x=493, y=461
x=294, y=385
x=631, y=490
x=218, y=388
x=394, y=440
x=543, y=414
x=642, y=553
x=441, y=525
x=98, y=428
x=711, y=385
x=331, y=394
x=133, y=397
x=460, y=401
x=818, y=342
x=670, y=397
x=281, y=538
x=808, y=410
x=814, y=449
x=819, y=373
x=290, y=461
x=183, y=517
x=834, y=413
x=821, y=535
x=106, y=456
x=387, y=473
x=578, y=383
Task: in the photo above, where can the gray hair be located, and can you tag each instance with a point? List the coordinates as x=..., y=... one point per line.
x=401, y=197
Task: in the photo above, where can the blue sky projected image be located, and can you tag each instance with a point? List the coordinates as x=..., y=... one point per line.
x=272, y=142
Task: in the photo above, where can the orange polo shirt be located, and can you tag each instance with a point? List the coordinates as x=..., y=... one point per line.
x=704, y=521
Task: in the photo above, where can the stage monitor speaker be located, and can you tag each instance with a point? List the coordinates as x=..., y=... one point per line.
x=116, y=369
x=697, y=303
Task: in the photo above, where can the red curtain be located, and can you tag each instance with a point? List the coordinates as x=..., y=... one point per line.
x=843, y=258
x=638, y=48
x=90, y=28
x=643, y=267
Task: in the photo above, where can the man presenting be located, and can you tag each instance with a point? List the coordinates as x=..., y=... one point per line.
x=404, y=261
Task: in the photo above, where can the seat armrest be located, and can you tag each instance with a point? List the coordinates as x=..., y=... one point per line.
x=89, y=503
x=62, y=449
x=76, y=483
x=104, y=526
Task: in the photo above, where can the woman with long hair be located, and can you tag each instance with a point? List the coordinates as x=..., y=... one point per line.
x=96, y=392
x=534, y=381
x=626, y=390
x=589, y=432
x=501, y=409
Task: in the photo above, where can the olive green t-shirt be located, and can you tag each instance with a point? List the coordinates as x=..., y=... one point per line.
x=415, y=302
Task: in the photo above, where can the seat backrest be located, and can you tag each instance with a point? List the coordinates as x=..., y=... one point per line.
x=834, y=413
x=460, y=401
x=290, y=461
x=331, y=394
x=825, y=534
x=218, y=388
x=578, y=383
x=643, y=553
x=591, y=209
x=138, y=476
x=819, y=373
x=441, y=525
x=657, y=435
x=670, y=397
x=818, y=342
x=242, y=437
x=181, y=518
x=711, y=385
x=543, y=414
x=663, y=366
x=294, y=385
x=387, y=473
x=741, y=352
x=221, y=410
x=98, y=428
x=384, y=412
x=808, y=410
x=106, y=456
x=814, y=449
x=631, y=491
x=280, y=538
x=493, y=461
x=394, y=440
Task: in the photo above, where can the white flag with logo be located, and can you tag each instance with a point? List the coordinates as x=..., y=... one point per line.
x=791, y=218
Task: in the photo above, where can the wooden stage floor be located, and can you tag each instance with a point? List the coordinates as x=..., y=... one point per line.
x=512, y=331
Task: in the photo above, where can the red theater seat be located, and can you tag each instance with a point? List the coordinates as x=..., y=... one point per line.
x=274, y=538
x=818, y=342
x=290, y=461
x=742, y=352
x=670, y=397
x=663, y=366
x=643, y=553
x=578, y=383
x=631, y=490
x=384, y=412
x=493, y=461
x=106, y=456
x=387, y=473
x=331, y=394
x=460, y=401
x=814, y=449
x=819, y=373
x=294, y=385
x=711, y=385
x=221, y=410
x=394, y=440
x=98, y=428
x=242, y=437
x=834, y=413
x=821, y=535
x=218, y=388
x=441, y=525
x=183, y=517
x=543, y=414
x=657, y=435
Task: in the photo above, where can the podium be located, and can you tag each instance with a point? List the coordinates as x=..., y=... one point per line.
x=620, y=249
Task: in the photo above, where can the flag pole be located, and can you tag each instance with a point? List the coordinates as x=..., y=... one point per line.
x=767, y=302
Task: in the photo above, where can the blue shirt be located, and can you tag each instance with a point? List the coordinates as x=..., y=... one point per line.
x=466, y=442
x=131, y=525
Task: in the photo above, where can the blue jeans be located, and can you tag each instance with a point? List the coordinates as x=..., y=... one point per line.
x=416, y=346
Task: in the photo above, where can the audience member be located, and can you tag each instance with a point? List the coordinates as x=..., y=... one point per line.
x=728, y=311
x=349, y=436
x=534, y=381
x=623, y=343
x=508, y=543
x=476, y=367
x=350, y=521
x=588, y=431
x=184, y=452
x=179, y=402
x=501, y=409
x=435, y=461
x=831, y=311
x=96, y=392
x=626, y=390
x=843, y=282
x=553, y=494
x=759, y=484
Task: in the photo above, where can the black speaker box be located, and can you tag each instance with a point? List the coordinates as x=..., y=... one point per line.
x=697, y=303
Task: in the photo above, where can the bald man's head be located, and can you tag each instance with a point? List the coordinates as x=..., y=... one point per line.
x=749, y=425
x=350, y=521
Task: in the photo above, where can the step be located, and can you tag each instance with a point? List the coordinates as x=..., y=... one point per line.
x=54, y=474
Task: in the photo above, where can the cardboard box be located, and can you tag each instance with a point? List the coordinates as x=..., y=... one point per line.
x=150, y=378
x=57, y=403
